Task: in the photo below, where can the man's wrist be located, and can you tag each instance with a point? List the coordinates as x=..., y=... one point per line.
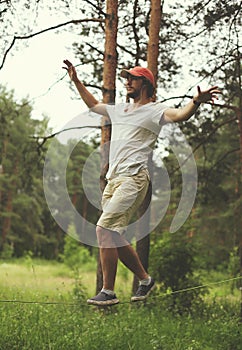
x=195, y=102
x=76, y=80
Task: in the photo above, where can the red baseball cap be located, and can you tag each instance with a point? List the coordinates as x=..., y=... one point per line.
x=139, y=72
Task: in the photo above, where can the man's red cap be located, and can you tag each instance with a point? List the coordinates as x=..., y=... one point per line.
x=139, y=72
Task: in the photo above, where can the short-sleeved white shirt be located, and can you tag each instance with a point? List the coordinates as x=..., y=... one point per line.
x=134, y=133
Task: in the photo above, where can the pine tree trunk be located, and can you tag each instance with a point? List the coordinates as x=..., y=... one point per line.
x=154, y=37
x=9, y=205
x=143, y=246
x=7, y=220
x=109, y=75
x=239, y=219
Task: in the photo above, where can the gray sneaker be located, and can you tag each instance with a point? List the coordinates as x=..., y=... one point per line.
x=103, y=299
x=143, y=291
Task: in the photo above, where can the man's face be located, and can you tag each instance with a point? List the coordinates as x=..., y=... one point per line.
x=134, y=86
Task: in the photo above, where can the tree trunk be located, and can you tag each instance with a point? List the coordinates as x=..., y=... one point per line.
x=143, y=245
x=7, y=220
x=109, y=75
x=9, y=205
x=238, y=214
x=154, y=37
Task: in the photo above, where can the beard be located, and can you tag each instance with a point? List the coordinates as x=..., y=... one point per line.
x=134, y=94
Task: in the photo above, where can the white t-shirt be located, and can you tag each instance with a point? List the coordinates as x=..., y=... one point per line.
x=134, y=133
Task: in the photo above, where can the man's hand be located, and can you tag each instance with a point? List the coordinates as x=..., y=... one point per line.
x=86, y=96
x=71, y=70
x=182, y=114
x=207, y=95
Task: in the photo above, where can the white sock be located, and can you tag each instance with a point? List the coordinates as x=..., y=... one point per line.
x=146, y=281
x=108, y=291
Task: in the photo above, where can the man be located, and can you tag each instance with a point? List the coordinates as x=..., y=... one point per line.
x=135, y=128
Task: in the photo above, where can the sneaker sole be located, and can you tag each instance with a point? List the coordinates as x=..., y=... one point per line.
x=141, y=298
x=101, y=303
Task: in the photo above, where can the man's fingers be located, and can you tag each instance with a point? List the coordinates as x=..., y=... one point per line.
x=214, y=90
x=69, y=68
x=198, y=90
x=68, y=63
x=217, y=92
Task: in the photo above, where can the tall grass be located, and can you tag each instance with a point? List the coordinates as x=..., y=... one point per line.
x=62, y=327
x=25, y=277
x=73, y=325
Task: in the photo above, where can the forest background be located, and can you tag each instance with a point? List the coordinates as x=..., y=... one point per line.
x=46, y=275
x=198, y=40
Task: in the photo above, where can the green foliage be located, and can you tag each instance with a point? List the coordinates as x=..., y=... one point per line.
x=7, y=252
x=174, y=266
x=69, y=323
x=234, y=267
x=123, y=327
x=79, y=292
x=75, y=254
x=28, y=259
x=20, y=185
x=26, y=223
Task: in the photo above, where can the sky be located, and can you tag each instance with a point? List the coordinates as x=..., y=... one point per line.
x=34, y=66
x=34, y=70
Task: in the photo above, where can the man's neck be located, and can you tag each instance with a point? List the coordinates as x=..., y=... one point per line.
x=140, y=100
x=138, y=103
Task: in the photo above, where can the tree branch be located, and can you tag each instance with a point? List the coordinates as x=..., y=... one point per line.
x=203, y=142
x=196, y=13
x=126, y=50
x=213, y=132
x=45, y=138
x=228, y=106
x=95, y=49
x=222, y=158
x=100, y=11
x=136, y=37
x=46, y=30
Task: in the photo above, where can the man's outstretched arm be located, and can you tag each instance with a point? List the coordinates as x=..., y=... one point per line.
x=86, y=96
x=181, y=114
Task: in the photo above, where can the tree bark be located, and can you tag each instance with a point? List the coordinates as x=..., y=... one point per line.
x=143, y=245
x=154, y=37
x=109, y=76
x=238, y=214
x=143, y=226
x=9, y=206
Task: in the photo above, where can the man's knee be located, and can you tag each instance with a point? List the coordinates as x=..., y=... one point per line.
x=105, y=238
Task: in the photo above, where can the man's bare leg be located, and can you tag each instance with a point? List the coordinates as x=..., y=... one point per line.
x=108, y=256
x=113, y=247
x=109, y=260
x=130, y=258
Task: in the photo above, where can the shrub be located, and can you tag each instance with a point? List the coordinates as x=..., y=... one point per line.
x=75, y=254
x=173, y=265
x=234, y=268
x=7, y=251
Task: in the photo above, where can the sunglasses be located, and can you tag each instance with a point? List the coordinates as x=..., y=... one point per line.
x=132, y=77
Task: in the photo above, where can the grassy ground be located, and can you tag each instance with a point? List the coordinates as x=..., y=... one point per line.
x=72, y=325
x=48, y=279
x=39, y=327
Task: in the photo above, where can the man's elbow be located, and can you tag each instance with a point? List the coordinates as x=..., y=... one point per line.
x=99, y=108
x=175, y=117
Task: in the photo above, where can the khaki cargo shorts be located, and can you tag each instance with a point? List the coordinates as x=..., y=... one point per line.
x=122, y=196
